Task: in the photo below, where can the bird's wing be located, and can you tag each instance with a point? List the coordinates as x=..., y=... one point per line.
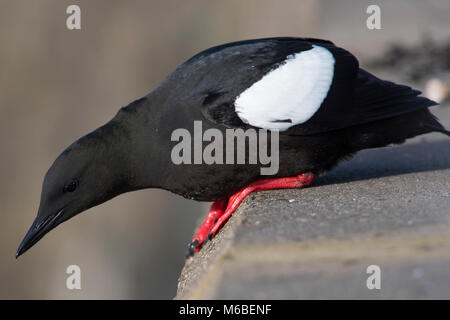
x=372, y=99
x=295, y=85
x=377, y=99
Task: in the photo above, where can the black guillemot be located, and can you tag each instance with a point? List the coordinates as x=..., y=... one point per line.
x=322, y=106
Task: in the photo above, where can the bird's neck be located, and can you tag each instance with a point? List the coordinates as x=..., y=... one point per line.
x=130, y=146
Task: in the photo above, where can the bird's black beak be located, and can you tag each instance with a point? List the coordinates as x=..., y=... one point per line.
x=37, y=230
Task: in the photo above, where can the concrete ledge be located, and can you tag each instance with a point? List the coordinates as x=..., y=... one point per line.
x=388, y=207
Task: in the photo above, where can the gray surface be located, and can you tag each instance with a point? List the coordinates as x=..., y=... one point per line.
x=387, y=206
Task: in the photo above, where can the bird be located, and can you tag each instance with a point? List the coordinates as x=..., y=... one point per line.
x=312, y=95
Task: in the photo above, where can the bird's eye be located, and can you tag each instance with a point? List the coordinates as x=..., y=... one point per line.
x=71, y=186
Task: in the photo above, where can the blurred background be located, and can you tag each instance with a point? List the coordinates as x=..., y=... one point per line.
x=58, y=84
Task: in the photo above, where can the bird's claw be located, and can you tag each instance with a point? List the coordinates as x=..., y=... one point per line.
x=191, y=248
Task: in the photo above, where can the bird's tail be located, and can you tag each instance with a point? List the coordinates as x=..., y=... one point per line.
x=437, y=129
x=433, y=124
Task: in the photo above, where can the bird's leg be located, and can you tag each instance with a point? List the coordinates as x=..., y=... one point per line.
x=218, y=215
x=216, y=211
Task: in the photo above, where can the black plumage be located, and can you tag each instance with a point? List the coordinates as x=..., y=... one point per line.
x=133, y=150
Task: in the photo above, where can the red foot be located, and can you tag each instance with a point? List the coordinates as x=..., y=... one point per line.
x=222, y=210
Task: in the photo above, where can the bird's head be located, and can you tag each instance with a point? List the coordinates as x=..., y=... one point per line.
x=83, y=176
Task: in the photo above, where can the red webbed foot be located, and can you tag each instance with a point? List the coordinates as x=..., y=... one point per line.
x=216, y=211
x=222, y=210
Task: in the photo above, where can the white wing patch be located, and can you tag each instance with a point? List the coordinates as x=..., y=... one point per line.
x=290, y=94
